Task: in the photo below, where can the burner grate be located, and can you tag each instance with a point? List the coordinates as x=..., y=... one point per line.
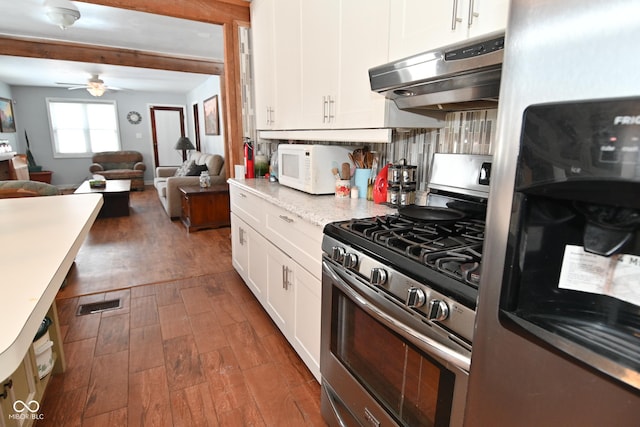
x=453, y=248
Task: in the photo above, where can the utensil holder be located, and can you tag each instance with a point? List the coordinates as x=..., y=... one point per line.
x=361, y=180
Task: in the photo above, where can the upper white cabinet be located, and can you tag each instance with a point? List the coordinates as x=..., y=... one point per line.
x=341, y=40
x=276, y=62
x=311, y=61
x=417, y=26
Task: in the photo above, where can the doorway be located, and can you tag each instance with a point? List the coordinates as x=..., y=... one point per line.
x=196, y=125
x=167, y=126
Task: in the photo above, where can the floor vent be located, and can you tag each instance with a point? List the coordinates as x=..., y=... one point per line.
x=97, y=307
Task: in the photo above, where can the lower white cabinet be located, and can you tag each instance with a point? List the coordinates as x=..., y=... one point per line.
x=273, y=270
x=16, y=392
x=306, y=324
x=280, y=289
x=247, y=254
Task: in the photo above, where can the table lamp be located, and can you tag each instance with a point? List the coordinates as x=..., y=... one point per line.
x=184, y=144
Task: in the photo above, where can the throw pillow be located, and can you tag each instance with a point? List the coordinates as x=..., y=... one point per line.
x=194, y=170
x=182, y=170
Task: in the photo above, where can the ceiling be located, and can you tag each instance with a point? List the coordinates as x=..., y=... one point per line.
x=110, y=27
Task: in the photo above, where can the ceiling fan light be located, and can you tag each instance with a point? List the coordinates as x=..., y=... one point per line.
x=96, y=89
x=63, y=13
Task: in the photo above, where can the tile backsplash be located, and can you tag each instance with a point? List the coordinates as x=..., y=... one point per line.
x=466, y=132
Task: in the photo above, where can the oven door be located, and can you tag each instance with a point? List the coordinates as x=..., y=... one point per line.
x=380, y=364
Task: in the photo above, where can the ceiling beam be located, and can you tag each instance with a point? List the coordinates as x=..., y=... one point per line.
x=36, y=48
x=211, y=11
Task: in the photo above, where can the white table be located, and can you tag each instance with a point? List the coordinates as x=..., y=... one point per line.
x=39, y=239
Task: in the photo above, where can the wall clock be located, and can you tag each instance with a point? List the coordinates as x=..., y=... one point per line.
x=134, y=117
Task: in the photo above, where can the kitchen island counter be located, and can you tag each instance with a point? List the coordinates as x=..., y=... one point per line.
x=57, y=227
x=318, y=210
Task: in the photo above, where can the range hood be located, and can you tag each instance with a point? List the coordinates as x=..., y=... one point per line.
x=463, y=76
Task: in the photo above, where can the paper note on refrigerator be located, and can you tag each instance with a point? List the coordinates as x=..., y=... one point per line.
x=617, y=276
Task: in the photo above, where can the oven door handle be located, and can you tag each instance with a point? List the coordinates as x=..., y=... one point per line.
x=429, y=344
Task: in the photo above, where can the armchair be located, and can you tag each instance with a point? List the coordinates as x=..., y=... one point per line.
x=120, y=165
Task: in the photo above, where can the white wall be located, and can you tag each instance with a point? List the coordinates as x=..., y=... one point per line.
x=213, y=144
x=31, y=115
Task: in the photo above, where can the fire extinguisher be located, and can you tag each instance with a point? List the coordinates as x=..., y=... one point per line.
x=249, y=171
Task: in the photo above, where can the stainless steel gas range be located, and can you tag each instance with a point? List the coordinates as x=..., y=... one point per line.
x=399, y=301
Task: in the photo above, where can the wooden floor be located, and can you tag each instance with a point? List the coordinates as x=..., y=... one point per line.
x=190, y=347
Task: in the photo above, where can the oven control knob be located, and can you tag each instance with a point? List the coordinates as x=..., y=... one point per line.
x=416, y=297
x=337, y=253
x=350, y=260
x=438, y=310
x=378, y=277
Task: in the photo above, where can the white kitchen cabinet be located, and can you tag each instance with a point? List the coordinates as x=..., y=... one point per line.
x=294, y=303
x=276, y=51
x=341, y=40
x=21, y=386
x=280, y=289
x=308, y=303
x=417, y=26
x=247, y=206
x=239, y=246
x=293, y=235
x=273, y=251
x=248, y=250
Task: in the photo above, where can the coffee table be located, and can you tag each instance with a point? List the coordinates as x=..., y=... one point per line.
x=115, y=195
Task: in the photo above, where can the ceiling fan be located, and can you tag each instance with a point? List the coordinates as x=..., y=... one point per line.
x=95, y=86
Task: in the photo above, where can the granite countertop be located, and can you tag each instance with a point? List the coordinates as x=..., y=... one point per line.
x=319, y=210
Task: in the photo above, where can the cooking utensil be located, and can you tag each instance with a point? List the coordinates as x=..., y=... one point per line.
x=430, y=213
x=345, y=172
x=335, y=173
x=372, y=177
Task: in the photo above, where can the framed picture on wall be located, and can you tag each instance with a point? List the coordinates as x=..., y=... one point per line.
x=7, y=122
x=211, y=119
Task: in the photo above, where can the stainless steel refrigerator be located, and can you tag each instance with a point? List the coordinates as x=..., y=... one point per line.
x=554, y=345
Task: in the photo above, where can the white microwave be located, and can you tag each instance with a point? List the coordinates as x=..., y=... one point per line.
x=308, y=167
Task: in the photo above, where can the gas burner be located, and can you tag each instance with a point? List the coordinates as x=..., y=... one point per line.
x=453, y=248
x=462, y=264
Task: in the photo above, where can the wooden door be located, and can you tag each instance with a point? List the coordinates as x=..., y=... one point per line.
x=167, y=126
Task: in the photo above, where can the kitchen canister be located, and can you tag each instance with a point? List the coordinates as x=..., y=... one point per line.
x=343, y=188
x=361, y=180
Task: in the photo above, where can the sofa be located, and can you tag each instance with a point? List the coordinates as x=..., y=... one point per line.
x=26, y=188
x=120, y=165
x=168, y=179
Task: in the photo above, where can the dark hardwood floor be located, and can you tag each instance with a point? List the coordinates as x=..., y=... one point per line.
x=190, y=346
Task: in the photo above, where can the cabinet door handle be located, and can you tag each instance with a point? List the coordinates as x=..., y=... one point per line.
x=5, y=389
x=272, y=116
x=244, y=196
x=472, y=13
x=331, y=109
x=286, y=219
x=325, y=116
x=285, y=277
x=454, y=15
x=241, y=238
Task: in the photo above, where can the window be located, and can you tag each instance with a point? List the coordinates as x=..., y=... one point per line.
x=80, y=128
